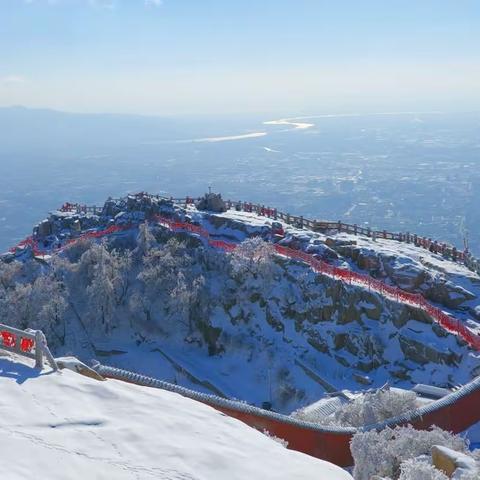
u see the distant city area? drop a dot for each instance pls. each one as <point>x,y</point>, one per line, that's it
<point>405,172</point>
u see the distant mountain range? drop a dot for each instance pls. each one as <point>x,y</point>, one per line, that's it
<point>24,128</point>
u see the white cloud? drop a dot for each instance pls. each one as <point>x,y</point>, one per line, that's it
<point>9,80</point>
<point>48,2</point>
<point>110,4</point>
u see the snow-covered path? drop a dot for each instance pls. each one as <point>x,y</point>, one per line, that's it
<point>65,426</point>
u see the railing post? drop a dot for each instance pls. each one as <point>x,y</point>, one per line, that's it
<point>38,349</point>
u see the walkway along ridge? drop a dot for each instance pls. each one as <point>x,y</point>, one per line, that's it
<point>446,321</point>
<point>435,246</point>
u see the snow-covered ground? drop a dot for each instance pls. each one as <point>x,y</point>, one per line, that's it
<point>66,426</point>
<point>409,258</point>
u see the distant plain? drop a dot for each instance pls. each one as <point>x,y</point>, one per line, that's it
<point>416,172</point>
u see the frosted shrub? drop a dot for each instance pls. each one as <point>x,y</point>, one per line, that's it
<point>468,476</point>
<point>382,453</point>
<point>375,407</point>
<point>366,409</point>
<point>420,469</point>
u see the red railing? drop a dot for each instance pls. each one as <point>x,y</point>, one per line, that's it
<point>435,246</point>
<point>262,210</point>
<point>449,323</point>
<point>39,251</point>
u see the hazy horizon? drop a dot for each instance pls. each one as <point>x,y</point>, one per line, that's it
<point>212,57</point>
<point>402,172</point>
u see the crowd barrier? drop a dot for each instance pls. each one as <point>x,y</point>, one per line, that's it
<point>40,251</point>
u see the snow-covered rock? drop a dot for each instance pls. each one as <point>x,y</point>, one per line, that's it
<point>455,465</point>
<point>75,365</point>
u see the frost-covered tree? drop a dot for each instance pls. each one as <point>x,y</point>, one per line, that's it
<point>121,264</point>
<point>169,282</point>
<point>39,304</point>
<point>253,256</point>
<point>375,407</point>
<point>183,297</point>
<point>101,298</point>
<point>140,309</point>
<point>101,287</point>
<point>18,310</point>
<point>145,240</point>
<point>74,251</point>
<point>366,409</point>
<point>48,298</point>
<point>100,280</point>
<point>9,273</point>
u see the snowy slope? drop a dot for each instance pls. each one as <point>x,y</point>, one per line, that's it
<point>65,426</point>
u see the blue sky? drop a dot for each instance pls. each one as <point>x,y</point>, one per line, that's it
<point>228,56</point>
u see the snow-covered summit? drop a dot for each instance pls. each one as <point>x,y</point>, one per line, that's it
<point>167,304</point>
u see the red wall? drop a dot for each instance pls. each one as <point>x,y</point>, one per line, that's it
<point>335,447</point>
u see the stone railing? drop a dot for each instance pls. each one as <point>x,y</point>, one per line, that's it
<point>27,343</point>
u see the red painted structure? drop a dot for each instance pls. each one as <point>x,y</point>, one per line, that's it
<point>455,412</point>
<point>333,445</point>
